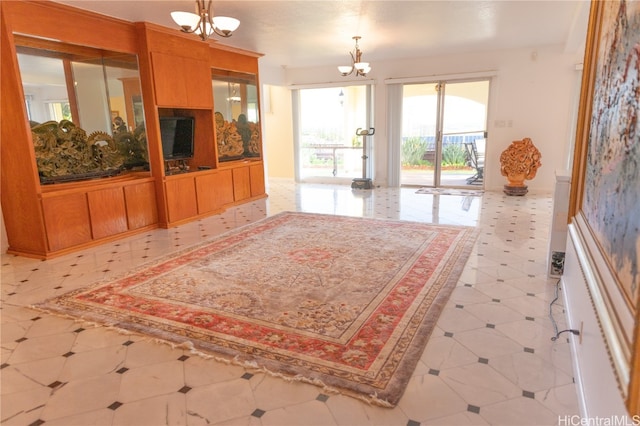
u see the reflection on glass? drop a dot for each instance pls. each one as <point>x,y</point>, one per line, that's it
<point>235,99</point>
<point>44,88</point>
<point>84,108</point>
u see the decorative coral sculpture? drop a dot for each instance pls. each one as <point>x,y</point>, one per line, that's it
<point>519,162</point>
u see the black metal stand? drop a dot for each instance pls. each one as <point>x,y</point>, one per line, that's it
<point>364,182</point>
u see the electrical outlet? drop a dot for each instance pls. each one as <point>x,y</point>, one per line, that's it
<point>557,263</point>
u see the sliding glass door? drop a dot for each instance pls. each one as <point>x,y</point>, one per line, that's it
<point>328,149</point>
<point>444,133</point>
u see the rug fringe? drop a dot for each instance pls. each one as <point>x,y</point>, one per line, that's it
<point>83,321</point>
<point>189,346</point>
<point>254,367</point>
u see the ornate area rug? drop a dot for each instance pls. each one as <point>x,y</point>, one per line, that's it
<point>450,191</point>
<point>341,302</point>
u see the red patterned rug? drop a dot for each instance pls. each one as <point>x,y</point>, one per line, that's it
<point>345,303</point>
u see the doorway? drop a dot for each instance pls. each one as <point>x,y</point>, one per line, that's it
<point>326,120</point>
<point>444,134</point>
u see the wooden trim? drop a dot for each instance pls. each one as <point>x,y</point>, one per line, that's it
<point>19,182</point>
<point>93,243</point>
<point>44,18</point>
<point>232,60</point>
<point>633,400</point>
<point>583,125</point>
<point>71,93</point>
<point>244,52</point>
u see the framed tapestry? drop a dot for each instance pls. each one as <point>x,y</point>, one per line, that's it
<point>605,193</point>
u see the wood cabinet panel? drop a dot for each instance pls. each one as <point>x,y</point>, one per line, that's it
<point>241,183</point>
<point>181,82</point>
<point>197,83</point>
<point>107,211</point>
<point>168,79</point>
<point>224,187</point>
<point>214,191</point>
<point>67,220</point>
<point>181,198</point>
<point>141,205</point>
<point>225,58</point>
<point>256,173</point>
<point>206,192</point>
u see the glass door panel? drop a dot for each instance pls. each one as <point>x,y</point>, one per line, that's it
<point>464,122</point>
<point>418,153</point>
<point>327,145</point>
<point>444,133</point>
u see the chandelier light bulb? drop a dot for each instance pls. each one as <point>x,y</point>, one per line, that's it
<point>185,20</point>
<point>225,24</point>
<point>345,70</point>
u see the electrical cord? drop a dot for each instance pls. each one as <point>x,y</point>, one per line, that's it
<point>553,321</point>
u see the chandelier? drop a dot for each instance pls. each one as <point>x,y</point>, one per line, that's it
<point>203,24</point>
<point>360,68</point>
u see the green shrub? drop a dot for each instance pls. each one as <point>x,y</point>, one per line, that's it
<point>454,154</point>
<point>412,151</point>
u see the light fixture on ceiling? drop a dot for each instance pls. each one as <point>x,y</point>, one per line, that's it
<point>360,68</point>
<point>203,24</point>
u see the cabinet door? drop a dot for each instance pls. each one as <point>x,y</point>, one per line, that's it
<point>181,82</point>
<point>168,79</point>
<point>67,220</point>
<point>198,83</point>
<point>241,183</point>
<point>141,205</point>
<point>256,173</point>
<point>214,191</point>
<point>224,187</point>
<point>107,211</point>
<point>181,198</point>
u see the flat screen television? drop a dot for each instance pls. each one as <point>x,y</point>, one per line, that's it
<point>176,134</point>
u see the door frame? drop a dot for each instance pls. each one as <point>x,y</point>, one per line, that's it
<point>370,114</point>
<point>394,117</point>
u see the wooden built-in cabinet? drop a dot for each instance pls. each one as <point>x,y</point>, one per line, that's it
<point>80,213</point>
<point>175,79</point>
<point>181,69</point>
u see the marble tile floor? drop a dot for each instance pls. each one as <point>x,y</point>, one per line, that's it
<point>490,360</point>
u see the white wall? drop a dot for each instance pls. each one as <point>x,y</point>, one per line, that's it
<point>534,89</point>
<point>278,131</point>
<point>598,392</point>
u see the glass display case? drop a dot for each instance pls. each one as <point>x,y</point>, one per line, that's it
<point>84,110</point>
<point>237,115</point>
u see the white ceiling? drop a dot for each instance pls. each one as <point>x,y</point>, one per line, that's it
<point>311,33</point>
